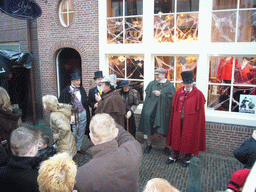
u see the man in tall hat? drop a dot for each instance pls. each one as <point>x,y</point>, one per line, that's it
<point>155,115</point>
<point>75,94</point>
<point>187,123</point>
<point>98,76</point>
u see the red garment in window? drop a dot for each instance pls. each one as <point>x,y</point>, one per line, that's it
<point>225,68</point>
<point>245,74</point>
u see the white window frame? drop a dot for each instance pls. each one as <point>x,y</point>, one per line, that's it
<point>61,14</point>
<point>204,48</point>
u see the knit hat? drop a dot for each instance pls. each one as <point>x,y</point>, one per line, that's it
<point>238,179</point>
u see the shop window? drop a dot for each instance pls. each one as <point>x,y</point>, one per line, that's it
<point>234,21</point>
<point>176,21</point>
<point>66,12</point>
<point>124,21</point>
<point>174,65</point>
<point>232,84</point>
<point>128,68</point>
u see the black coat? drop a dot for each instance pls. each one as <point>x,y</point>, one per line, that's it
<point>20,174</point>
<point>246,153</point>
<point>65,97</point>
<point>92,99</point>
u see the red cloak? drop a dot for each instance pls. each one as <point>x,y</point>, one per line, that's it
<point>192,137</point>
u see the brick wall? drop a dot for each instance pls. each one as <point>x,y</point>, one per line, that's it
<point>81,35</point>
<point>221,139</point>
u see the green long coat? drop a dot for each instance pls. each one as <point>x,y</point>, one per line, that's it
<point>156,111</point>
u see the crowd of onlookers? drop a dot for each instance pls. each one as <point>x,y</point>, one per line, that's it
<point>30,162</point>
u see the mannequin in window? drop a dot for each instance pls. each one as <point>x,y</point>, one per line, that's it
<point>224,73</point>
<point>245,72</point>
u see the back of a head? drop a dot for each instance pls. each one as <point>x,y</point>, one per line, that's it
<point>50,102</point>
<point>23,140</point>
<point>103,127</point>
<point>159,185</point>
<point>57,174</point>
<point>4,100</point>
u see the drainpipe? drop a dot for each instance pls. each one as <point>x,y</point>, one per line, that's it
<point>31,75</point>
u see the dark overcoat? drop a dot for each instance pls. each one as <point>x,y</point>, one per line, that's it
<point>112,104</point>
<point>191,139</point>
<point>156,111</point>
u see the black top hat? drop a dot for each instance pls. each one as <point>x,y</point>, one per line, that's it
<point>187,77</point>
<point>76,74</point>
<point>97,74</point>
<point>124,83</point>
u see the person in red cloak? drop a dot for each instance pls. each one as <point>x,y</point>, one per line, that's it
<point>187,123</point>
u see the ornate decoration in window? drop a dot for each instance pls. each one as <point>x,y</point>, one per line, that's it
<point>128,67</point>
<point>124,21</point>
<point>176,21</point>
<point>232,84</point>
<point>234,21</point>
<point>66,12</point>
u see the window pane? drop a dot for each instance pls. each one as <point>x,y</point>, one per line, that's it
<point>187,5</point>
<point>133,7</point>
<point>164,28</point>
<point>64,17</point>
<point>218,97</point>
<point>117,66</point>
<point>244,100</point>
<point>114,8</point>
<point>133,30</point>
<point>164,6</point>
<point>135,67</point>
<point>247,26</point>
<point>187,27</point>
<point>70,6</point>
<point>115,31</point>
<point>223,26</point>
<point>224,4</point>
<point>64,6</point>
<point>166,62</point>
<point>247,3</point>
<point>221,69</point>
<point>245,71</point>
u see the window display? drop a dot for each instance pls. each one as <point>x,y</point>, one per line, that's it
<point>176,26</point>
<point>128,68</point>
<point>230,77</point>
<point>124,21</point>
<point>233,24</point>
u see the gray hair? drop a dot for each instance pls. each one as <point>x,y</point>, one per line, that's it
<point>103,127</point>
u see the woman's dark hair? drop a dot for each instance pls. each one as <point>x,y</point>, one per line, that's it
<point>111,86</point>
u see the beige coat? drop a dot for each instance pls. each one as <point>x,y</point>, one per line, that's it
<point>61,130</point>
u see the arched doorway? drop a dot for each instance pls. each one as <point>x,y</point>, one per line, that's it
<point>67,60</point>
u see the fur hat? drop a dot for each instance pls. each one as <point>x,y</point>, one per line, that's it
<point>111,79</point>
